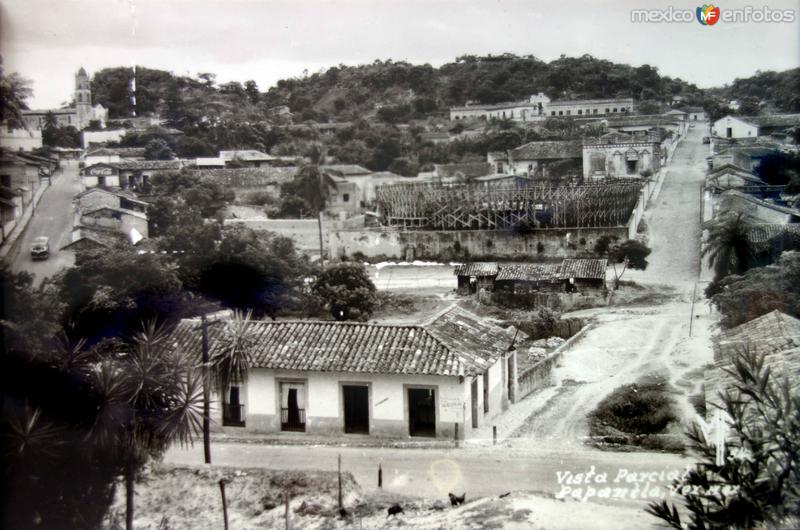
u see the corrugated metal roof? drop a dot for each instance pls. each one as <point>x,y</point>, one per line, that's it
<point>584,268</point>
<point>453,343</point>
<point>477,269</point>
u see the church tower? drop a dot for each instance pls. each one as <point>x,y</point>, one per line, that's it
<point>83,99</point>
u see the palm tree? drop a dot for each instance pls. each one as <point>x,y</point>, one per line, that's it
<point>151,397</point>
<point>727,247</point>
<point>233,352</point>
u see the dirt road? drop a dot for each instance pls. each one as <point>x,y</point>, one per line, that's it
<point>628,343</point>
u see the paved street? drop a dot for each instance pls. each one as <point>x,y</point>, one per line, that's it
<point>52,218</point>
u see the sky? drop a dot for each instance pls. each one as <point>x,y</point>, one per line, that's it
<point>47,41</point>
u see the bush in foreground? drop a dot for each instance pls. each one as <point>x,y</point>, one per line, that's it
<point>641,408</point>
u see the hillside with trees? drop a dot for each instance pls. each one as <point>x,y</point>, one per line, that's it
<point>764,91</point>
<point>347,93</point>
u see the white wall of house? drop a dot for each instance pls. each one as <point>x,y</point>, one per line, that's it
<point>733,127</point>
<point>20,139</point>
<point>101,137</point>
<point>388,400</point>
<point>90,160</point>
<point>91,181</point>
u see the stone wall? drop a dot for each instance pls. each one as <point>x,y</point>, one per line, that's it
<point>470,244</point>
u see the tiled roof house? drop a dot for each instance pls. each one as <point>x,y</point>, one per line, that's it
<point>369,378</point>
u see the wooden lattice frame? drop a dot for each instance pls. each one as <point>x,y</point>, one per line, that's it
<point>436,207</point>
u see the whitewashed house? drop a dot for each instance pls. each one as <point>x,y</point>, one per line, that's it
<point>442,378</point>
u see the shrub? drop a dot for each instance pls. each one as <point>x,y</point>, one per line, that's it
<point>638,408</point>
<point>259,198</point>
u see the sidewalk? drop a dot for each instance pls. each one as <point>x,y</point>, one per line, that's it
<point>342,440</point>
<point>11,240</point>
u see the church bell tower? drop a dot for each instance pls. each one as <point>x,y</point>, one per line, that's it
<point>83,99</point>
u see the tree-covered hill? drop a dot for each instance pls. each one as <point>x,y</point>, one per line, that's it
<point>778,91</point>
<point>406,91</point>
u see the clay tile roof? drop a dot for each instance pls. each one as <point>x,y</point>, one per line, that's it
<point>477,269</point>
<point>530,272</point>
<point>548,150</point>
<point>121,151</point>
<point>584,268</point>
<point>452,343</point>
<point>767,334</point>
<point>148,164</point>
<point>762,235</point>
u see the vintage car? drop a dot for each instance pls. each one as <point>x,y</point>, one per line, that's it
<point>40,249</point>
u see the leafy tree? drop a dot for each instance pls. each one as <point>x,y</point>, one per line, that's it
<point>110,292</point>
<point>757,481</point>
<point>28,316</point>
<point>160,395</point>
<point>307,185</point>
<point>251,89</point>
<point>759,291</point>
<point>346,291</point>
<point>261,272</point>
<point>294,207</point>
<point>158,150</point>
<point>749,106</point>
<point>66,136</point>
<point>14,90</point>
<point>631,253</point>
<point>192,147</point>
<point>779,169</point>
<point>727,246</point>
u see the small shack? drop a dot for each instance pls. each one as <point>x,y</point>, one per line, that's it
<point>530,277</point>
<point>472,277</point>
<point>587,273</point>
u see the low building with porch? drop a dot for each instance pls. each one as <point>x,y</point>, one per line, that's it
<point>527,278</point>
<point>472,277</point>
<point>442,378</point>
<point>584,273</point>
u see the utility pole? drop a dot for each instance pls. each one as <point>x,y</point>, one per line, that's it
<point>321,207</point>
<point>206,392</point>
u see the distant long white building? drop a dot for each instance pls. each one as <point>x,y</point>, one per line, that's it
<point>539,106</point>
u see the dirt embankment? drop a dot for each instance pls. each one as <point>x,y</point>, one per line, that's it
<point>171,497</point>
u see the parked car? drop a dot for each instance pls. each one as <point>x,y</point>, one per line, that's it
<point>40,248</point>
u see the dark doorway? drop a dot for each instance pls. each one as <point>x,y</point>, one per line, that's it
<point>486,391</point>
<point>356,409</point>
<point>631,166</point>
<point>233,413</point>
<point>729,132</point>
<point>474,395</point>
<point>293,415</point>
<point>422,412</point>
